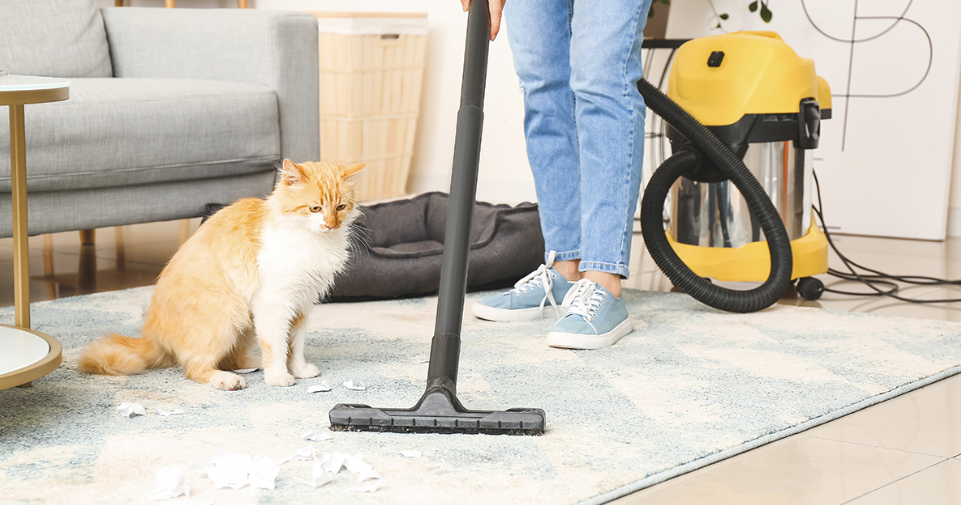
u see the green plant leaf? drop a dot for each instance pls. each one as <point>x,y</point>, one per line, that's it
<point>650,12</point>
<point>766,13</point>
<point>718,26</point>
<point>753,6</point>
<point>666,2</point>
<point>724,16</point>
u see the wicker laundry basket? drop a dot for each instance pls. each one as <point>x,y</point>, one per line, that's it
<point>371,74</point>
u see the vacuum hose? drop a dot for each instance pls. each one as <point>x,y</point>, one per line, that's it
<point>683,162</point>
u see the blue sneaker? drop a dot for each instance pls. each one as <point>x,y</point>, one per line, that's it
<point>526,301</point>
<point>595,319</point>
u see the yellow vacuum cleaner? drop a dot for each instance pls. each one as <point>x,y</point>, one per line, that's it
<point>743,113</point>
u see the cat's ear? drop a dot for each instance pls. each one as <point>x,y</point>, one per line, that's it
<point>346,172</point>
<point>290,173</point>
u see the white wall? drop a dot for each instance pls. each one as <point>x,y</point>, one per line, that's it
<point>505,175</point>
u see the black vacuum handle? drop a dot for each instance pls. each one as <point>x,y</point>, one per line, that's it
<point>474,80</point>
<point>445,345</point>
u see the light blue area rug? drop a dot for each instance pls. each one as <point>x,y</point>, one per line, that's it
<point>690,386</point>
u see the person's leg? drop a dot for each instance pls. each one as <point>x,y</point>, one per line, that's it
<point>540,38</point>
<point>609,113</point>
<point>606,65</point>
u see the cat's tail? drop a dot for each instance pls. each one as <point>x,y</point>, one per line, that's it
<point>119,355</point>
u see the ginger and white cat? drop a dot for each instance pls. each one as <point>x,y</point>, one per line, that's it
<point>252,271</point>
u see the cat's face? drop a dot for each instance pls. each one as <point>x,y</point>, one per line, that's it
<point>319,195</point>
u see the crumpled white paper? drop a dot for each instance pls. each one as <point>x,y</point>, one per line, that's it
<point>305,453</point>
<point>263,473</point>
<point>245,370</point>
<point>173,412</point>
<point>128,409</point>
<point>235,471</point>
<point>355,387</point>
<point>170,484</point>
<point>319,476</point>
<point>410,454</point>
<point>316,437</point>
<point>323,387</point>
<point>335,461</point>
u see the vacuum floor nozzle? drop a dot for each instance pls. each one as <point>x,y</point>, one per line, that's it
<point>438,411</point>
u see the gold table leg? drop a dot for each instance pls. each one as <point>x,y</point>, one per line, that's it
<point>18,179</point>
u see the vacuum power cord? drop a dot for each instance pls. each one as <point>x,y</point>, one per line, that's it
<point>875,278</point>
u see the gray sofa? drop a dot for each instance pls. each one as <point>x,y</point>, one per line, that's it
<point>169,109</point>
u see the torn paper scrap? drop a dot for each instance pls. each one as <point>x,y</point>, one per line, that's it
<point>173,412</point>
<point>332,462</point>
<point>319,477</point>
<point>424,361</point>
<point>229,469</point>
<point>410,454</point>
<point>355,387</point>
<point>305,453</point>
<point>356,464</point>
<point>314,437</point>
<point>367,474</point>
<point>128,409</point>
<point>263,473</point>
<point>170,484</point>
<point>367,489</point>
<point>245,370</point>
<point>323,387</point>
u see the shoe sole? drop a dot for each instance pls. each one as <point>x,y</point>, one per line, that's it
<point>495,314</point>
<point>579,341</point>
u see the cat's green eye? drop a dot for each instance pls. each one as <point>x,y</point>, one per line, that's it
<point>315,208</point>
<point>342,206</point>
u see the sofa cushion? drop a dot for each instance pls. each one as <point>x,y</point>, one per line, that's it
<point>53,38</point>
<point>120,132</point>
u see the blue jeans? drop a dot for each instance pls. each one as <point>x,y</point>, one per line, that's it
<point>579,62</point>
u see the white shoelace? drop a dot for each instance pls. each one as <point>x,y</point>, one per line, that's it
<point>542,277</point>
<point>585,299</point>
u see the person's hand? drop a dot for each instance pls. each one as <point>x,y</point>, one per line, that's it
<point>496,8</point>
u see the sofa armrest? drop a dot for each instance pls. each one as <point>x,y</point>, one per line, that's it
<point>273,48</point>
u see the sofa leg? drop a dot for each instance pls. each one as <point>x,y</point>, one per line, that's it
<point>88,237</point>
<point>184,230</point>
<point>170,3</point>
<point>119,247</point>
<point>241,4</point>
<point>118,3</point>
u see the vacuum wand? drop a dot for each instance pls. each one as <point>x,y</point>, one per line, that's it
<point>439,410</point>
<point>445,346</point>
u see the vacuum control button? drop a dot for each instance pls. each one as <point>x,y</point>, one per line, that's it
<point>716,58</point>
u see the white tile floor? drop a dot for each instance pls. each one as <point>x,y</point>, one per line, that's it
<point>903,451</point>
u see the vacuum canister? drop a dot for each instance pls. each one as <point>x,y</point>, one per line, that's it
<point>764,102</point>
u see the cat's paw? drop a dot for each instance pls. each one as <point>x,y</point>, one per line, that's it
<point>305,371</point>
<point>227,381</point>
<point>279,379</point>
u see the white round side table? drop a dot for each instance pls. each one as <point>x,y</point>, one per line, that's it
<point>20,346</point>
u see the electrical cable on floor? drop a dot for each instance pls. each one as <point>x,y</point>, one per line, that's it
<point>876,278</point>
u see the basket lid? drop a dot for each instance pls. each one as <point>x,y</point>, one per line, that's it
<point>372,23</point>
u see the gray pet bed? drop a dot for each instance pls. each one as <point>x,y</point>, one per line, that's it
<point>405,247</point>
